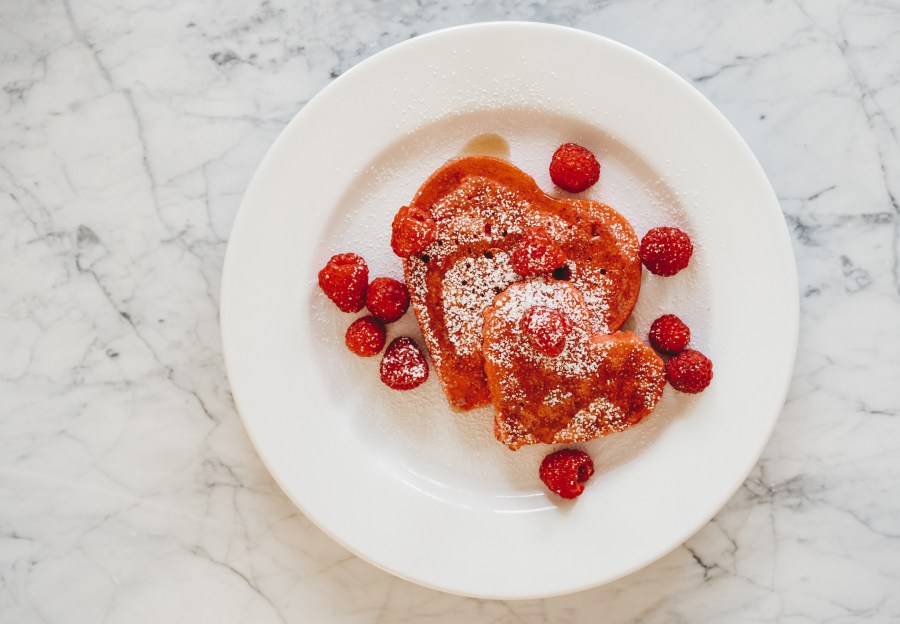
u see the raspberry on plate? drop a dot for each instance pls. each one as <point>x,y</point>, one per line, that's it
<point>365,337</point>
<point>690,371</point>
<point>666,250</point>
<point>574,168</point>
<point>387,299</point>
<point>565,472</point>
<point>403,366</point>
<point>344,281</point>
<point>411,232</point>
<point>536,253</point>
<point>546,329</point>
<point>669,334</point>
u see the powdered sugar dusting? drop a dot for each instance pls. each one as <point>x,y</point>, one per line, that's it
<point>584,425</point>
<point>468,288</point>
<point>543,292</point>
<point>557,396</point>
<point>597,299</point>
<point>487,202</point>
<point>514,430</point>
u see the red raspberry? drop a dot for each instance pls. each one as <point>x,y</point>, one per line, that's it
<point>344,281</point>
<point>403,366</point>
<point>690,371</point>
<point>669,334</point>
<point>411,232</point>
<point>574,168</point>
<point>387,299</point>
<point>546,329</point>
<point>536,253</point>
<point>365,336</point>
<point>565,472</point>
<point>666,250</point>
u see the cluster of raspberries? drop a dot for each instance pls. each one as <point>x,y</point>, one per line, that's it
<point>345,280</point>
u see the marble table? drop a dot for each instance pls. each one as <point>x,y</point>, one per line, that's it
<point>129,491</point>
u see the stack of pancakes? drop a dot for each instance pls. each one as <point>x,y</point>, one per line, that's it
<point>468,301</point>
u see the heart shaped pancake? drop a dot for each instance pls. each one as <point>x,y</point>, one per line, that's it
<point>480,206</point>
<point>597,385</point>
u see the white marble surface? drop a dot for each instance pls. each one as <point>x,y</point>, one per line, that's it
<point>128,489</point>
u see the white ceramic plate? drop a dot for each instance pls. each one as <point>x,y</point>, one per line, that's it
<point>398,478</point>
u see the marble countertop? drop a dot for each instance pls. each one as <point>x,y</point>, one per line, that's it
<point>129,491</point>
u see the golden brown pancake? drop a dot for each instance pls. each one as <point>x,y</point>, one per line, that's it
<point>480,206</point>
<point>599,384</point>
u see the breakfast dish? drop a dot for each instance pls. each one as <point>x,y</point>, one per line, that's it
<point>520,297</point>
<point>396,476</point>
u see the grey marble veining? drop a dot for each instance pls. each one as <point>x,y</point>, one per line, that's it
<point>128,489</point>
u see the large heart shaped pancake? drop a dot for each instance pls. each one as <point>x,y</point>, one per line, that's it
<point>480,206</point>
<point>598,384</point>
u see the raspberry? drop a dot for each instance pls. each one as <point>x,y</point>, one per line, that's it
<point>411,232</point>
<point>574,168</point>
<point>387,299</point>
<point>403,366</point>
<point>669,334</point>
<point>536,253</point>
<point>546,329</point>
<point>690,371</point>
<point>564,472</point>
<point>365,336</point>
<point>344,281</point>
<point>666,250</point>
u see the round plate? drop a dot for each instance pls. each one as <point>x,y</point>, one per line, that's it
<point>397,477</point>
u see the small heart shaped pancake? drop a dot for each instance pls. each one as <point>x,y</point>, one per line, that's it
<point>599,383</point>
<point>480,206</point>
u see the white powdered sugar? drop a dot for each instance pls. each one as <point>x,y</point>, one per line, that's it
<point>541,292</point>
<point>469,287</point>
<point>557,396</point>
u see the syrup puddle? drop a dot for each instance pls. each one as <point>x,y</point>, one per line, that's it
<point>488,144</point>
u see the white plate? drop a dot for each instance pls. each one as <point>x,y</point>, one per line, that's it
<point>398,478</point>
